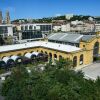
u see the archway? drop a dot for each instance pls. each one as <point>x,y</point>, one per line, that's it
<point>60,57</point>
<point>26,27</point>
<point>50,55</point>
<point>95,51</point>
<point>25,53</point>
<point>46,52</point>
<point>81,59</point>
<point>55,56</point>
<point>19,54</point>
<point>75,61</point>
<point>41,51</point>
<point>30,27</point>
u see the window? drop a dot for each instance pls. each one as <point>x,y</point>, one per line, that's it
<point>81,59</point>
<point>55,56</point>
<point>22,28</point>
<point>60,57</point>
<point>84,46</point>
<point>25,53</point>
<point>41,51</point>
<point>96,49</point>
<point>19,54</point>
<point>26,27</point>
<point>31,51</point>
<point>50,55</point>
<point>45,52</point>
<point>75,61</point>
<point>30,27</point>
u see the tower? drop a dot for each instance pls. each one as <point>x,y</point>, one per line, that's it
<point>0,17</point>
<point>7,20</point>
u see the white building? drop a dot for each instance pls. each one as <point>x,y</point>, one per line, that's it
<point>69,16</point>
<point>65,28</point>
<point>43,27</point>
<point>76,22</point>
<point>97,27</point>
<point>57,28</point>
<point>6,29</point>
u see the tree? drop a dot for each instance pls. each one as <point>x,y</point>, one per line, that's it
<point>56,82</point>
<point>1,40</point>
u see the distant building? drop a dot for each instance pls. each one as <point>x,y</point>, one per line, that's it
<point>69,16</point>
<point>30,35</point>
<point>75,27</point>
<point>97,27</point>
<point>65,28</point>
<point>57,28</point>
<point>7,19</point>
<point>43,27</point>
<point>6,30</point>
<point>76,22</point>
<point>1,18</point>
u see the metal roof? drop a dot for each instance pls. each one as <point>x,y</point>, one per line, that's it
<point>69,37</point>
<point>87,37</point>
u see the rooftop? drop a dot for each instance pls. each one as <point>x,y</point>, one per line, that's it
<point>36,24</point>
<point>50,45</point>
<point>8,25</point>
<point>69,37</point>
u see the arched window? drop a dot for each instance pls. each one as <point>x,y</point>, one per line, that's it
<point>22,28</point>
<point>81,59</point>
<point>26,27</point>
<point>96,49</point>
<point>24,53</point>
<point>55,56</point>
<point>30,27</point>
<point>41,51</point>
<point>10,55</point>
<point>19,54</point>
<point>31,51</point>
<point>46,52</point>
<point>50,55</point>
<point>75,61</point>
<point>3,57</point>
<point>60,57</point>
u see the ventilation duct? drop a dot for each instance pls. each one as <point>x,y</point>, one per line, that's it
<point>17,59</point>
<point>9,62</point>
<point>2,64</point>
<point>30,55</point>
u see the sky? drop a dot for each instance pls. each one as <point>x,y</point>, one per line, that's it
<point>48,8</point>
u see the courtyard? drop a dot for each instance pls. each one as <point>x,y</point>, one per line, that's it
<point>92,71</point>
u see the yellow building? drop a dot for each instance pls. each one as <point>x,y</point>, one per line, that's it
<point>81,53</point>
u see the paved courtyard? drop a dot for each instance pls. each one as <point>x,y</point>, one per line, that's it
<point>92,71</point>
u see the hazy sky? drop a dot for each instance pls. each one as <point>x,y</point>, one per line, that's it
<point>46,8</point>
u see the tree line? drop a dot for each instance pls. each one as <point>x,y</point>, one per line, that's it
<point>50,19</point>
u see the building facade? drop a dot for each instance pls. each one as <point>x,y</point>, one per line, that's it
<point>97,27</point>
<point>43,27</point>
<point>6,30</point>
<point>84,54</point>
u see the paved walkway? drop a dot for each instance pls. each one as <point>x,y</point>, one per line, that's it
<point>92,71</point>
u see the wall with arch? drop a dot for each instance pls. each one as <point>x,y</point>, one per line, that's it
<point>89,47</point>
<point>55,54</point>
